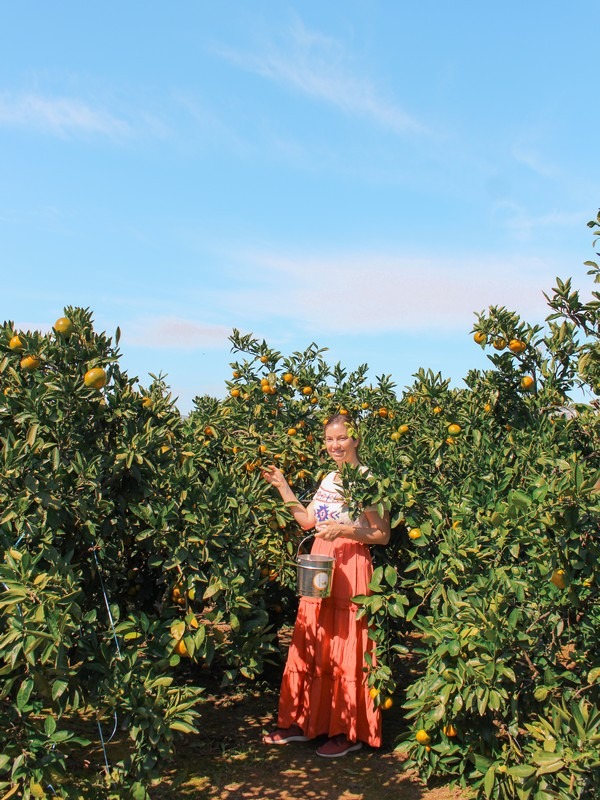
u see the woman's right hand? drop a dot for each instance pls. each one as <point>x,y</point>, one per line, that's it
<point>274,476</point>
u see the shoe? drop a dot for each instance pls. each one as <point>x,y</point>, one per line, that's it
<point>285,735</point>
<point>338,746</point>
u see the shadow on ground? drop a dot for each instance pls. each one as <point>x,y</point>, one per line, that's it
<point>228,761</point>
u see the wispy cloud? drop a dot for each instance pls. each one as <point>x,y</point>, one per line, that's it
<point>524,225</point>
<point>318,66</point>
<point>174,332</point>
<point>376,293</point>
<point>60,116</point>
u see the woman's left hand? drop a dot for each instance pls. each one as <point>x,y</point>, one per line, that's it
<point>330,530</point>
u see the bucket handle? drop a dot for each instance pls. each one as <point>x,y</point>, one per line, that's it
<point>306,538</point>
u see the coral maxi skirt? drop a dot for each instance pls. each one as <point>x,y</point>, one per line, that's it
<point>324,688</point>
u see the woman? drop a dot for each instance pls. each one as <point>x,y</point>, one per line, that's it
<point>324,688</point>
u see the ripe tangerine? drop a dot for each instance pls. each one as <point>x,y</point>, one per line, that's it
<point>516,346</point>
<point>63,325</point>
<point>422,736</point>
<point>95,378</point>
<point>29,363</point>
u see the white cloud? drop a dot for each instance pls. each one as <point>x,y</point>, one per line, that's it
<point>58,115</point>
<point>523,225</point>
<point>378,293</point>
<point>316,66</point>
<point>174,332</point>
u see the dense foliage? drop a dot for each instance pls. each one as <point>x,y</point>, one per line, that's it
<point>143,551</point>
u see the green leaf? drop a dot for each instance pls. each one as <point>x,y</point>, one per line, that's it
<point>24,694</point>
<point>488,782</point>
<point>391,575</point>
<point>49,726</point>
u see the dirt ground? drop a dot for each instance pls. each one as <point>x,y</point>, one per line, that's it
<point>228,761</point>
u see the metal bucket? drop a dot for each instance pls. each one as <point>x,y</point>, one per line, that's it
<point>315,573</point>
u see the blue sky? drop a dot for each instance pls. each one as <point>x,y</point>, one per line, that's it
<point>364,175</point>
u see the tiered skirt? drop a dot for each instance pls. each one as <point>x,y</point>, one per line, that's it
<point>324,688</point>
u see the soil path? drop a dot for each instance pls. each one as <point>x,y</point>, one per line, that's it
<point>228,761</point>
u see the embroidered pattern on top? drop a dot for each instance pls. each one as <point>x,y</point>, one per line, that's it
<point>325,512</point>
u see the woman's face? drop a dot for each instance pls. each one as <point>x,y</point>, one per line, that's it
<point>341,447</point>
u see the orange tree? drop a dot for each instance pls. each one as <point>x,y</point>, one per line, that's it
<point>502,535</point>
<point>140,547</point>
<point>92,479</point>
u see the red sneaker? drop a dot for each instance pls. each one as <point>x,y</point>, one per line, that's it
<point>285,735</point>
<point>338,746</point>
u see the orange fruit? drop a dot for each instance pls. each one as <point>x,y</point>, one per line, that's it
<point>29,363</point>
<point>527,382</point>
<point>558,578</point>
<point>314,400</point>
<point>387,703</point>
<point>235,392</point>
<point>516,346</point>
<point>450,440</point>
<point>364,406</point>
<point>403,429</point>
<point>422,736</point>
<point>383,412</point>
<point>307,390</point>
<point>288,377</point>
<point>499,343</point>
<point>414,533</point>
<point>437,410</point>
<point>266,388</point>
<point>15,343</point>
<point>95,378</point>
<point>395,436</point>
<point>236,374</point>
<point>292,431</point>
<point>181,649</point>
<point>487,408</point>
<point>264,359</point>
<point>454,429</point>
<point>450,730</point>
<point>63,325</point>
<point>147,402</point>
<point>373,692</point>
<point>480,337</point>
<point>343,411</point>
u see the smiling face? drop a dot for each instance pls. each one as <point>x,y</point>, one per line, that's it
<point>341,447</point>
